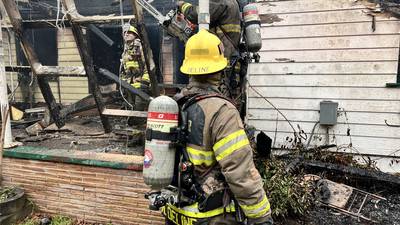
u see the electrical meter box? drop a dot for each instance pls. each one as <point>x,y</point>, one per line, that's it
<point>328,113</point>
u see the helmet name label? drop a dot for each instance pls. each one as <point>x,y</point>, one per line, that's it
<point>194,70</point>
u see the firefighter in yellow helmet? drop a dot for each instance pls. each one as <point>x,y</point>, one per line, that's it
<point>225,22</point>
<point>133,66</point>
<point>230,186</point>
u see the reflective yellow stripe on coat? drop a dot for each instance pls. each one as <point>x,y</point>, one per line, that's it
<point>199,157</point>
<point>185,6</point>
<point>256,210</point>
<point>131,64</point>
<point>230,144</point>
<point>229,28</point>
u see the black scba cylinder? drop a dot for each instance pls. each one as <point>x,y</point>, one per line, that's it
<point>252,25</point>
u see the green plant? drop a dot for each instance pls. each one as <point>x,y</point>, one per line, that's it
<point>288,193</point>
<point>61,220</point>
<point>6,193</point>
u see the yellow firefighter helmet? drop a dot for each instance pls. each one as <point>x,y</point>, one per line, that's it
<point>133,30</point>
<point>203,54</point>
<point>130,28</point>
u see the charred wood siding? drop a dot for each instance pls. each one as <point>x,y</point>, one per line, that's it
<point>316,50</point>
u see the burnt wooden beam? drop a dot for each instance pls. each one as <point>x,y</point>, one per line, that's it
<point>101,35</point>
<point>16,21</point>
<point>87,103</point>
<point>18,69</point>
<point>83,45</point>
<point>125,113</point>
<point>84,48</point>
<point>53,71</point>
<point>76,17</point>
<point>60,70</point>
<point>148,54</point>
<point>54,108</point>
<point>353,171</point>
<point>101,19</point>
<point>124,84</point>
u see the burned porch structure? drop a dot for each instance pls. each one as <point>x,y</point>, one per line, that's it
<point>89,29</point>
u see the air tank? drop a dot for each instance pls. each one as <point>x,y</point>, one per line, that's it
<point>159,154</point>
<point>252,27</point>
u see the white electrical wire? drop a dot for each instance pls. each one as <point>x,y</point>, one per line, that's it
<point>121,61</point>
<point>58,13</point>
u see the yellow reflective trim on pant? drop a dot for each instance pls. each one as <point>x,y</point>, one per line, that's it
<point>230,143</point>
<point>192,211</point>
<point>185,6</point>
<point>198,157</point>
<point>256,210</point>
<point>229,28</point>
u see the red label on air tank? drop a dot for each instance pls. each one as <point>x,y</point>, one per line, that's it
<point>250,12</point>
<point>162,116</point>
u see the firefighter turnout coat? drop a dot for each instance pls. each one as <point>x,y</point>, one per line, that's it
<point>223,159</point>
<point>134,69</point>
<point>224,22</point>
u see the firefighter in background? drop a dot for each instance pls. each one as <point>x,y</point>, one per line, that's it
<point>225,22</point>
<point>134,69</point>
<point>217,144</point>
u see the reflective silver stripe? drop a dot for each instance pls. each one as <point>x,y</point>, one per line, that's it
<point>230,143</point>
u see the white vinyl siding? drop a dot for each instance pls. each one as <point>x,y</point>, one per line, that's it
<point>327,50</point>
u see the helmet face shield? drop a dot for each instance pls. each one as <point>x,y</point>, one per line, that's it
<point>203,54</point>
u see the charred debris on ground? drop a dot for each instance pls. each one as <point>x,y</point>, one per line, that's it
<point>296,183</point>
